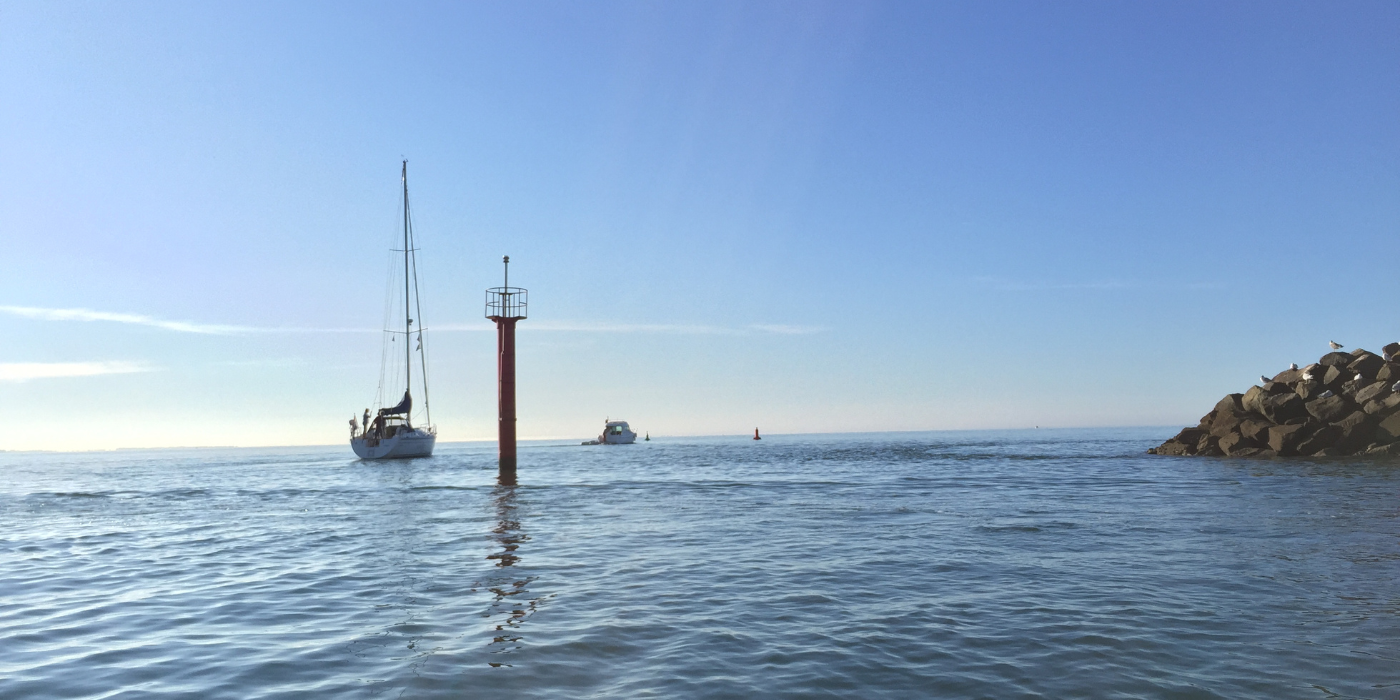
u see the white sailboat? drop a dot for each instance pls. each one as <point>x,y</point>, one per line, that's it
<point>391,434</point>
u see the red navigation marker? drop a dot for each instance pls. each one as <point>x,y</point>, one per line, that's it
<point>505,305</point>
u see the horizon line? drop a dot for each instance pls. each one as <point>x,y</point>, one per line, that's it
<point>557,439</point>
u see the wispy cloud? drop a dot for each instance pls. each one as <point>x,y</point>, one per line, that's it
<point>784,329</point>
<point>606,327</point>
<point>670,328</point>
<point>136,319</point>
<point>46,314</point>
<point>24,371</point>
<point>1006,285</point>
<point>474,327</point>
<point>1002,284</point>
<point>581,327</point>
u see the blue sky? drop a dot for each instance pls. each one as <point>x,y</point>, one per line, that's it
<point>802,216</point>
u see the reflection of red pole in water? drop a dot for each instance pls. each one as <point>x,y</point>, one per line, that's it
<point>755,434</point>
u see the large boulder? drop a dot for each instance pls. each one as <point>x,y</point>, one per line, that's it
<point>1256,428</point>
<point>1209,446</point>
<point>1226,422</point>
<point>1391,350</point>
<point>1358,430</point>
<point>1281,408</point>
<point>1309,389</point>
<point>1348,388</point>
<point>1366,365</point>
<point>1355,439</point>
<point>1288,376</point>
<point>1189,437</point>
<point>1336,358</point>
<point>1320,439</point>
<point>1330,409</point>
<point>1374,390</point>
<point>1171,448</point>
<point>1390,373</point>
<point>1391,450</point>
<point>1231,402</point>
<point>1284,439</point>
<point>1356,418</point>
<point>1233,445</point>
<point>1388,430</point>
<point>1335,375</point>
<point>1251,399</point>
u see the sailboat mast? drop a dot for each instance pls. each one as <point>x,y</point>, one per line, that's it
<point>408,319</point>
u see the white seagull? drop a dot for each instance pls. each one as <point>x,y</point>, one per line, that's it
<point>1293,365</point>
<point>1264,380</point>
<point>1307,376</point>
<point>1335,345</point>
<point>1357,377</point>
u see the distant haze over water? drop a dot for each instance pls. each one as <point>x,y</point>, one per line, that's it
<point>951,565</point>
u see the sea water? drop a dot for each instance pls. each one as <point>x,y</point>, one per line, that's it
<point>952,565</point>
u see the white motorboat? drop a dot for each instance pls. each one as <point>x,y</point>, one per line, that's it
<point>615,432</point>
<point>391,434</point>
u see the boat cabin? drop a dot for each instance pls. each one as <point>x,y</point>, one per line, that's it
<point>617,432</point>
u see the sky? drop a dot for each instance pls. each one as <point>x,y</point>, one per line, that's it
<point>797,216</point>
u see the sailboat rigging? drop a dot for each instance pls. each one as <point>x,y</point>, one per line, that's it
<point>391,434</point>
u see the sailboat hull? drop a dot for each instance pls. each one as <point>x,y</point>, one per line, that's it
<point>403,446</point>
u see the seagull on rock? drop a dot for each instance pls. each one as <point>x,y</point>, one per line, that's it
<point>1358,377</point>
<point>1293,365</point>
<point>1335,345</point>
<point>1264,380</point>
<point>1307,376</point>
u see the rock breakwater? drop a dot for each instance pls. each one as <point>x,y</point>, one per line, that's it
<point>1347,403</point>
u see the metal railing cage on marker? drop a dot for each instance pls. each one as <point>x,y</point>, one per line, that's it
<point>507,302</point>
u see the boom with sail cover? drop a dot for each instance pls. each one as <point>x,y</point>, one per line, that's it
<point>405,407</point>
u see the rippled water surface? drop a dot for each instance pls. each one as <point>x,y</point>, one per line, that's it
<point>996,565</point>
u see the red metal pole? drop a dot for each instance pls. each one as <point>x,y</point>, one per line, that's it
<point>505,346</point>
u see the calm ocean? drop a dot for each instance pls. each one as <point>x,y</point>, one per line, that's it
<point>1046,563</point>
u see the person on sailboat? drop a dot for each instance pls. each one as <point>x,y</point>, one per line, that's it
<point>353,424</point>
<point>364,422</point>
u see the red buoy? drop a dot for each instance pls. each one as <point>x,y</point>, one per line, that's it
<point>755,434</point>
